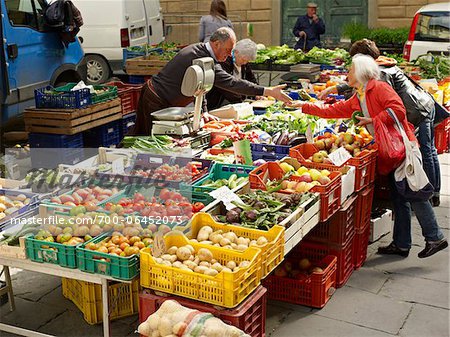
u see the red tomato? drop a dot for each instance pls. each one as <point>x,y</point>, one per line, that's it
<point>197,207</point>
<point>164,194</point>
<point>173,210</point>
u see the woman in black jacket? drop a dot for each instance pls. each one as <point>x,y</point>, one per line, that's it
<point>238,66</point>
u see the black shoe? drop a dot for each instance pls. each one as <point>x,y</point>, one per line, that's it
<point>435,201</point>
<point>392,249</point>
<point>432,248</point>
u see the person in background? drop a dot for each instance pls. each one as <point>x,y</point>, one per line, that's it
<point>308,29</point>
<point>164,89</point>
<point>419,105</point>
<point>238,66</point>
<point>373,98</point>
<point>216,19</point>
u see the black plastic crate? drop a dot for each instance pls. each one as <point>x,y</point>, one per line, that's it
<point>105,135</point>
<point>48,97</point>
<point>51,158</point>
<point>128,122</point>
<point>48,140</point>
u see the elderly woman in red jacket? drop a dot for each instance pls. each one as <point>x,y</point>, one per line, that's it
<point>373,98</point>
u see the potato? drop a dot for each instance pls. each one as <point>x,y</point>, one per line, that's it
<point>253,243</point>
<point>216,245</point>
<point>227,269</point>
<point>183,253</point>
<point>213,261</point>
<point>204,232</point>
<point>242,241</point>
<point>224,242</point>
<point>231,265</point>
<point>177,264</point>
<point>205,254</point>
<point>201,269</point>
<point>159,260</point>
<point>215,238</point>
<point>205,263</point>
<point>194,240</point>
<point>244,264</point>
<point>206,242</point>
<point>192,250</point>
<point>183,267</point>
<point>167,263</point>
<point>211,272</point>
<point>230,236</point>
<point>192,258</point>
<point>172,250</point>
<point>197,260</point>
<point>217,266</point>
<point>236,269</point>
<point>191,265</point>
<point>170,258</point>
<point>261,241</point>
<point>241,247</point>
<point>234,246</point>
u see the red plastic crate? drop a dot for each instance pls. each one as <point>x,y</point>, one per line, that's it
<point>249,316</point>
<point>313,291</point>
<point>360,243</point>
<point>340,229</point>
<point>364,208</point>
<point>442,136</point>
<point>330,194</point>
<point>129,95</point>
<point>373,166</point>
<point>316,251</point>
<point>362,163</point>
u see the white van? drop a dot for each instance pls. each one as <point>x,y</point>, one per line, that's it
<point>430,32</point>
<point>111,25</point>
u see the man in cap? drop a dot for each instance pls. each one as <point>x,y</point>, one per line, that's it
<point>308,29</point>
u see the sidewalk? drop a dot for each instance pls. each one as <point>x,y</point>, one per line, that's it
<point>388,296</point>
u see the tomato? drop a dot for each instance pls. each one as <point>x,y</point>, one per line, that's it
<point>176,196</point>
<point>138,197</point>
<point>173,210</point>
<point>164,194</point>
<point>197,207</point>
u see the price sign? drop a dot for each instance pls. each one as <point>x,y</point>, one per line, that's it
<point>227,196</point>
<point>339,157</point>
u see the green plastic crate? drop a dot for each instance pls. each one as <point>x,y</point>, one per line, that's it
<point>218,171</point>
<point>109,94</point>
<point>123,268</point>
<point>51,252</point>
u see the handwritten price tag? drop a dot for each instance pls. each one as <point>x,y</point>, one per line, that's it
<point>339,157</point>
<point>225,195</point>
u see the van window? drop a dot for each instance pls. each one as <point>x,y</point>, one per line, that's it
<point>433,26</point>
<point>27,13</point>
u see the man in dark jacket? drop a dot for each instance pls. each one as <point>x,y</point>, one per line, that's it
<point>164,89</point>
<point>308,29</point>
<point>236,65</point>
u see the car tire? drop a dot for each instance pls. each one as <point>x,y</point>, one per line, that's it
<point>98,70</point>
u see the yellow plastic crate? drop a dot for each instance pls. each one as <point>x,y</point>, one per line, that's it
<point>272,253</point>
<point>226,289</point>
<point>123,299</point>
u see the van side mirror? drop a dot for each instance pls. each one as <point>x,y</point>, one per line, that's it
<point>13,51</point>
<point>81,39</point>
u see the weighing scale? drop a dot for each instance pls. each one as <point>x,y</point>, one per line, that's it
<point>183,122</point>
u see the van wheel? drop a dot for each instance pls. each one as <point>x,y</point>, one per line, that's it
<point>97,69</point>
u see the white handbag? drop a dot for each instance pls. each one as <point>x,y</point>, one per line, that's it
<point>410,178</point>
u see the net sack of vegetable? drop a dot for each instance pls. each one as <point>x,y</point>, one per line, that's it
<point>172,319</point>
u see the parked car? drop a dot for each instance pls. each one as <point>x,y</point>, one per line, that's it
<point>430,32</point>
<point>32,57</point>
<point>111,25</point>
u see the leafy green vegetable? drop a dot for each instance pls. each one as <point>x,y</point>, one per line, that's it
<point>433,66</point>
<point>280,55</point>
<point>337,56</point>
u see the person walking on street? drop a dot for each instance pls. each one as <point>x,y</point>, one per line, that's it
<point>216,19</point>
<point>374,98</point>
<point>308,29</point>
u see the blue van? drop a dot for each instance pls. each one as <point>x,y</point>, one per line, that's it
<point>32,57</point>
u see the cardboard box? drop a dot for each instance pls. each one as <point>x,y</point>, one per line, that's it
<point>381,226</point>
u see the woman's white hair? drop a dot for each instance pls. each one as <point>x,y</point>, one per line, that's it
<point>365,68</point>
<point>246,48</point>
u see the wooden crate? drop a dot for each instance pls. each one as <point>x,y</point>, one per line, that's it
<point>144,65</point>
<point>72,121</point>
<point>16,252</point>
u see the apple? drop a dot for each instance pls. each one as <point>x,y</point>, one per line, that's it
<point>323,180</point>
<point>302,170</point>
<point>317,157</point>
<point>315,174</point>
<point>320,144</point>
<point>325,173</point>
<point>291,185</point>
<point>304,264</point>
<point>301,187</point>
<point>306,177</point>
<point>284,184</point>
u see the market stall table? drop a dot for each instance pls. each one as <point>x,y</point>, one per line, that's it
<point>54,270</point>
